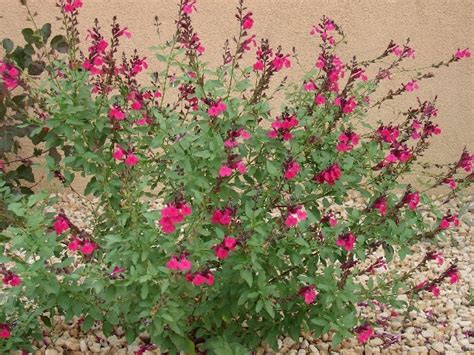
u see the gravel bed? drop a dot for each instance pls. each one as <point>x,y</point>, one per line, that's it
<point>442,325</point>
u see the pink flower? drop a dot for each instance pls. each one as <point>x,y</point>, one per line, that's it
<point>5,332</point>
<point>329,218</point>
<point>281,62</point>
<point>448,221</point>
<point>61,224</point>
<point>74,244</point>
<point>346,241</point>
<point>411,86</point>
<point>308,293</point>
<point>10,75</point>
<point>72,5</point>
<point>116,113</point>
<point>381,205</point>
<point>222,217</point>
<point>235,136</point>
<point>199,279</point>
<point>464,53</point>
<point>466,161</point>
<point>181,264</point>
<point>11,279</point>
<point>119,153</point>
<point>434,290</point>
<point>225,171</point>
<point>291,170</point>
<point>347,105</point>
<point>241,167</point>
<point>258,66</point>
<point>330,175</point>
<point>296,214</point>
<point>230,242</point>
<point>451,182</point>
<point>247,21</point>
<point>189,6</point>
<point>131,159</point>
<point>319,100</point>
<point>453,276</point>
<point>347,141</point>
<point>404,52</point>
<point>364,333</point>
<point>412,199</point>
<point>136,105</point>
<point>172,215</point>
<point>221,252</point>
<point>216,109</point>
<point>281,127</point>
<point>88,247</point>
<point>388,134</point>
<point>438,257</point>
<point>309,86</point>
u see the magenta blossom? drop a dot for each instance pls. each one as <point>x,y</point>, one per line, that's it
<point>119,153</point>
<point>388,134</point>
<point>222,217</point>
<point>412,200</point>
<point>346,241</point>
<point>411,86</point>
<point>189,6</point>
<point>462,53</point>
<point>308,293</point>
<point>173,214</point>
<point>116,113</point>
<point>131,159</point>
<point>292,169</point>
<point>5,331</point>
<point>11,279</point>
<point>72,5</point>
<point>216,109</point>
<point>449,221</point>
<point>450,182</point>
<point>319,99</point>
<point>10,76</point>
<point>329,175</point>
<point>295,215</point>
<point>247,21</point>
<point>201,278</point>
<point>61,224</point>
<point>347,141</point>
<point>227,245</point>
<point>281,127</point>
<point>235,137</point>
<point>364,333</point>
<point>381,205</point>
<point>181,263</point>
<point>466,161</point>
<point>330,219</point>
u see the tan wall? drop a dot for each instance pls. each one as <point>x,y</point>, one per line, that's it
<point>436,28</point>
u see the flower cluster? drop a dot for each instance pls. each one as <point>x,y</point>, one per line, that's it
<point>201,278</point>
<point>173,214</point>
<point>291,169</point>
<point>84,245</point>
<point>72,5</point>
<point>329,175</point>
<point>61,224</point>
<point>11,279</point>
<point>222,249</point>
<point>296,214</point>
<point>222,216</point>
<point>308,293</point>
<point>10,75</point>
<point>129,158</point>
<point>282,126</point>
<point>180,263</point>
<point>347,141</point>
<point>346,241</point>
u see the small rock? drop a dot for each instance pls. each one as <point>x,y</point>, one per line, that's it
<point>73,345</point>
<point>438,346</point>
<point>51,352</point>
<point>313,350</point>
<point>288,342</point>
<point>83,345</point>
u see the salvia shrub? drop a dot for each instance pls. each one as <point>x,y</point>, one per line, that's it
<point>256,235</point>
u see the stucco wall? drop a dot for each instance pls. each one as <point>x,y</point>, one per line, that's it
<point>436,28</point>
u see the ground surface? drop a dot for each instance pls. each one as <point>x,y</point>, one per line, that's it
<point>443,325</point>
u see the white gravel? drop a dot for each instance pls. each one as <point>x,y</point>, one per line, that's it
<point>443,325</point>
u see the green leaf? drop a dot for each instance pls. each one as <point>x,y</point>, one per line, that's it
<point>272,169</point>
<point>247,276</point>
<point>7,45</point>
<point>59,43</point>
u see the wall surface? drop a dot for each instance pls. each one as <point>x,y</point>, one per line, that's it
<point>436,29</point>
